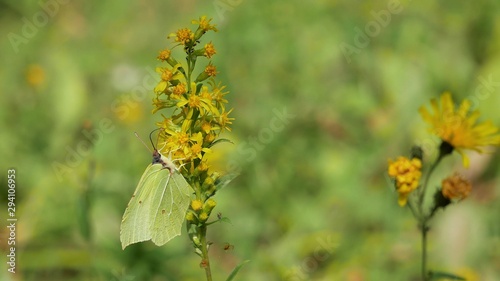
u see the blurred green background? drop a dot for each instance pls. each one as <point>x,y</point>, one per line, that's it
<point>313,201</point>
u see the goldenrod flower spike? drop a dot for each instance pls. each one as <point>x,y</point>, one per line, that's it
<point>197,106</point>
<point>458,127</point>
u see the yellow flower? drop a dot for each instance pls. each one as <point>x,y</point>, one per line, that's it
<point>204,24</point>
<point>407,174</point>
<point>164,55</point>
<point>183,36</point>
<point>197,146</point>
<point>211,70</point>
<point>209,50</point>
<point>209,138</point>
<point>457,126</point>
<point>225,120</point>
<point>197,102</point>
<point>167,75</point>
<point>204,93</point>
<point>175,142</point>
<point>207,127</point>
<point>160,104</point>
<point>456,187</point>
<point>167,125</point>
<point>178,90</point>
<point>218,94</point>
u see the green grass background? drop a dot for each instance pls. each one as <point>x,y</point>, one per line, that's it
<point>313,201</point>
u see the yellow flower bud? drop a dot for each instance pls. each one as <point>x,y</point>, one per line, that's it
<point>203,217</point>
<point>207,183</point>
<point>191,217</point>
<point>209,206</point>
<point>196,205</point>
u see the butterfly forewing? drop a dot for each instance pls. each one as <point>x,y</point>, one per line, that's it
<point>136,222</point>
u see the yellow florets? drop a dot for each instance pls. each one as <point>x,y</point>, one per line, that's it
<point>457,126</point>
<point>209,50</point>
<point>407,174</point>
<point>164,55</point>
<point>184,36</point>
<point>211,70</point>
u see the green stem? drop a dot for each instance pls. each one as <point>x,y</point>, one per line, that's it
<point>413,211</point>
<point>204,252</point>
<point>423,220</point>
<point>426,183</point>
<point>424,230</point>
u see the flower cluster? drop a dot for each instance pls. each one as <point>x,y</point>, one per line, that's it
<point>407,174</point>
<point>457,126</point>
<point>459,129</point>
<point>197,115</point>
<point>199,112</point>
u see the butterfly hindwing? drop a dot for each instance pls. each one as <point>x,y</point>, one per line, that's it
<point>157,208</point>
<point>170,205</point>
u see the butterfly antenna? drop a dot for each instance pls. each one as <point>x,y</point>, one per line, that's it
<point>137,135</point>
<point>151,137</point>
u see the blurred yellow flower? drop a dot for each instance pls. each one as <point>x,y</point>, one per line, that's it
<point>35,75</point>
<point>456,187</point>
<point>164,55</point>
<point>457,126</point>
<point>407,174</point>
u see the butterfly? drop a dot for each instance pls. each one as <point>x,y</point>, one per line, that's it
<point>159,204</point>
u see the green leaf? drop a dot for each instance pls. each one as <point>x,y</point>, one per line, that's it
<point>158,207</point>
<point>225,180</point>
<point>236,269</point>
<point>436,275</point>
<point>219,141</point>
<point>225,219</point>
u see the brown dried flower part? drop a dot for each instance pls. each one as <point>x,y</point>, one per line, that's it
<point>456,187</point>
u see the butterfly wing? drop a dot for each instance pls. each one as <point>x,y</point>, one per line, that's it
<point>136,222</point>
<point>170,203</point>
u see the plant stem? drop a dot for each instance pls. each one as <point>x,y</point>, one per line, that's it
<point>204,252</point>
<point>424,230</point>
<point>426,183</point>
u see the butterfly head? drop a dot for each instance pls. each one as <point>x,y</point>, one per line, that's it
<point>157,157</point>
